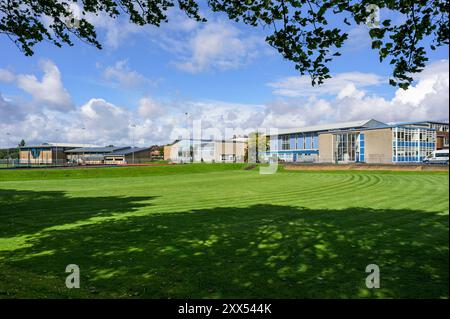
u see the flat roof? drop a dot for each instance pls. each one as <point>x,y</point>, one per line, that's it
<point>377,128</point>
<point>208,141</point>
<point>420,122</point>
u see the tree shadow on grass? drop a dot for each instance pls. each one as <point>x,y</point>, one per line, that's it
<point>26,212</point>
<point>261,251</point>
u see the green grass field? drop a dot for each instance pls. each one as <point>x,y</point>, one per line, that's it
<point>219,231</point>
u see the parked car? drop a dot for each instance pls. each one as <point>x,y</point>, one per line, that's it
<point>437,157</point>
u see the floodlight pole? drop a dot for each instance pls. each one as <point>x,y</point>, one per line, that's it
<point>84,140</point>
<point>132,142</point>
<point>56,151</point>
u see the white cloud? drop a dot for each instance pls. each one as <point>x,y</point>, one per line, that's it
<point>434,79</point>
<point>116,31</point>
<point>149,108</point>
<point>122,75</point>
<point>6,76</point>
<point>300,86</point>
<point>217,45</point>
<point>427,100</point>
<point>95,108</point>
<point>350,90</point>
<point>196,46</point>
<point>99,122</point>
<point>179,21</point>
<point>49,90</point>
<point>160,121</point>
<point>10,111</point>
<point>358,39</point>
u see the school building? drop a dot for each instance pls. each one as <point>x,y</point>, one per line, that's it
<point>365,141</point>
<point>83,154</point>
<point>209,151</point>
<point>47,153</point>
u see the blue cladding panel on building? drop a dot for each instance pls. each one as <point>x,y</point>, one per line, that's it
<point>361,147</point>
<point>308,141</point>
<point>316,141</point>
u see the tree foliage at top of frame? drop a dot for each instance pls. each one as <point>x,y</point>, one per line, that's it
<point>301,29</point>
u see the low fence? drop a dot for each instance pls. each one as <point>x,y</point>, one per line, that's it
<point>16,163</point>
<point>8,163</point>
<point>364,166</point>
<point>357,159</point>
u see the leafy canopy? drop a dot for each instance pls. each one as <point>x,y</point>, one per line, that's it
<point>300,29</point>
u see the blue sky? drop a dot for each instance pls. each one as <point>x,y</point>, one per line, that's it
<point>221,72</point>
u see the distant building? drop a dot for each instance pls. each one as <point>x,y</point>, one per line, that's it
<point>47,153</point>
<point>167,150</point>
<point>85,154</point>
<point>131,155</point>
<point>111,155</point>
<point>209,151</point>
<point>91,155</point>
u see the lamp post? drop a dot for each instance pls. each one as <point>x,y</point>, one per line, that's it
<point>191,151</point>
<point>56,151</point>
<point>132,142</point>
<point>84,140</point>
<point>7,149</point>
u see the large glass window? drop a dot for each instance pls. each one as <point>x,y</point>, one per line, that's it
<point>285,142</point>
<point>412,144</point>
<point>346,148</point>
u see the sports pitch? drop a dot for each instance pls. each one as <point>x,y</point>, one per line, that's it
<point>219,231</point>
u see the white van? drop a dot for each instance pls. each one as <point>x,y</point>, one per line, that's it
<point>437,157</point>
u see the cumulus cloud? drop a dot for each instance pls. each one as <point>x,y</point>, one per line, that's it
<point>217,45</point>
<point>161,121</point>
<point>103,122</point>
<point>150,108</point>
<point>21,119</point>
<point>49,90</point>
<point>10,111</point>
<point>122,75</point>
<point>300,86</point>
<point>428,99</point>
<point>433,80</point>
<point>116,31</point>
